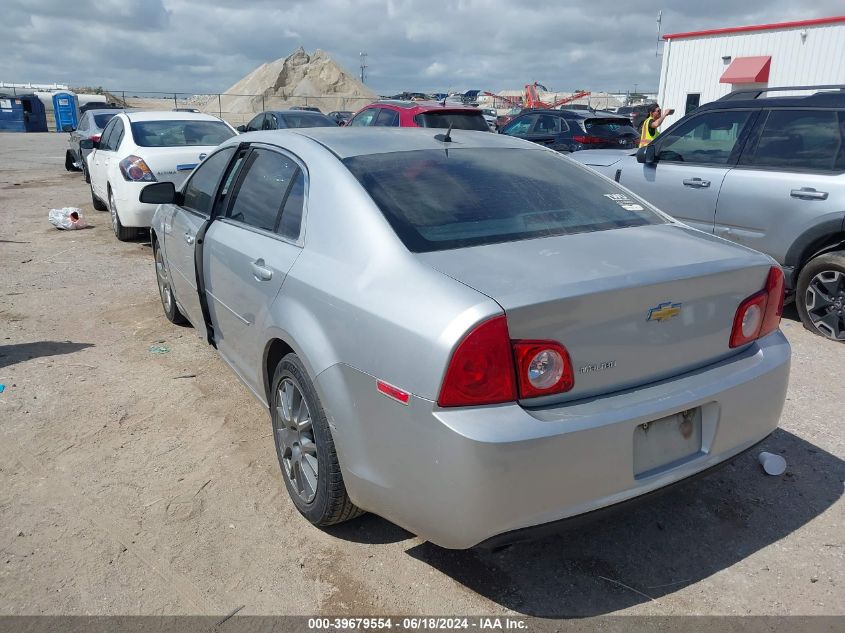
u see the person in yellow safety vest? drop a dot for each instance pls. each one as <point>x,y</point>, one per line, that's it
<point>655,118</point>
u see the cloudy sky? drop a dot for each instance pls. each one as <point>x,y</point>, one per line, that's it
<point>207,45</point>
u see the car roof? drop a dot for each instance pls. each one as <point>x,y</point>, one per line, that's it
<point>423,106</point>
<point>168,115</point>
<point>296,112</point>
<point>345,142</point>
<point>746,99</point>
<point>104,111</point>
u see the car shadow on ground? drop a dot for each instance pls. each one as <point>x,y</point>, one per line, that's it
<point>12,354</point>
<point>370,529</point>
<point>668,543</point>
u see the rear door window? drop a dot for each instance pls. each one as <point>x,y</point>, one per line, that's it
<point>200,189</point>
<point>104,139</point>
<point>437,200</point>
<point>387,118</point>
<point>115,136</point>
<point>798,140</point>
<point>261,189</point>
<point>707,139</point>
<point>291,221</point>
<point>547,124</point>
<point>462,120</point>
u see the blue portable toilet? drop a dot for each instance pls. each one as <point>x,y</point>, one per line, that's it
<point>64,108</point>
<point>22,113</point>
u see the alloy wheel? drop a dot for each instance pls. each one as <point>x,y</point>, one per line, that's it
<point>113,212</point>
<point>163,282</point>
<point>296,440</point>
<point>825,303</point>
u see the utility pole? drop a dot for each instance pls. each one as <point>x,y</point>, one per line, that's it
<point>659,24</point>
<point>363,56</point>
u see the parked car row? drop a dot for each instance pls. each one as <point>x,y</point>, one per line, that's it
<point>453,299</point>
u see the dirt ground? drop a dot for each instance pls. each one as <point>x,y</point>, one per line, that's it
<point>134,482</point>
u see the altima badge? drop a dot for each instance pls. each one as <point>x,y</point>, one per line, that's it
<point>664,311</point>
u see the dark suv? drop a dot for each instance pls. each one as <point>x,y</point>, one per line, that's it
<point>573,130</point>
<point>764,171</point>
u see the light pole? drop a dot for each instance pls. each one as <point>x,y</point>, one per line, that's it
<point>363,56</point>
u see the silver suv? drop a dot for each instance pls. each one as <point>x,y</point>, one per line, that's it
<point>764,171</point>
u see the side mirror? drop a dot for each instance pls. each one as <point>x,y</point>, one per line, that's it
<point>647,155</point>
<point>241,128</point>
<point>68,128</point>
<point>158,193</point>
<point>87,143</point>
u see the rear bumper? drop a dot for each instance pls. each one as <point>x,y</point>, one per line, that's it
<point>459,477</point>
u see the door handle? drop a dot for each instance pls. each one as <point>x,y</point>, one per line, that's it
<point>260,271</point>
<point>808,193</point>
<point>696,182</point>
<point>189,238</point>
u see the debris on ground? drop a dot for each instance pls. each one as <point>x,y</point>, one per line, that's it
<point>67,218</point>
<point>159,349</point>
<point>772,464</point>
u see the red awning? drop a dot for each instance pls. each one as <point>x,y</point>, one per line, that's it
<point>747,70</point>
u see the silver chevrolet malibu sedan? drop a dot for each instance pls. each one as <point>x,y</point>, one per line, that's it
<point>465,333</point>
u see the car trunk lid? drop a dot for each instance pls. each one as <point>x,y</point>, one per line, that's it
<point>632,306</point>
<point>174,164</point>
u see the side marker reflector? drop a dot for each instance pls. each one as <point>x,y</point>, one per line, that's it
<point>395,393</point>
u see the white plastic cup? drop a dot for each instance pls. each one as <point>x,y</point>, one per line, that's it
<point>772,464</point>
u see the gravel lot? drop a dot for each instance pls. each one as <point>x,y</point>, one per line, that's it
<point>140,483</point>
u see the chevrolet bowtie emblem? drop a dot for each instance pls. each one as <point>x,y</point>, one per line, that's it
<point>664,311</point>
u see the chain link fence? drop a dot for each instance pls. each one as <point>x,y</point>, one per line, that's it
<point>237,109</point>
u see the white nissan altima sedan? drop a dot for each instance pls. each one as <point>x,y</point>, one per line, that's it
<point>137,148</point>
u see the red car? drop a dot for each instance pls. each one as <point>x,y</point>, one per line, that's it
<point>393,113</point>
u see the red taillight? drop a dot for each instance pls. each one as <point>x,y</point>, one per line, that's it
<point>760,313</point>
<point>543,368</point>
<point>135,169</point>
<point>775,288</point>
<point>95,138</point>
<point>481,369</point>
<point>588,140</point>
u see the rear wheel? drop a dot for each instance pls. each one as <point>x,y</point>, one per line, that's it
<point>820,295</point>
<point>70,164</point>
<point>123,233</point>
<point>305,447</point>
<point>165,290</point>
<point>84,167</point>
<point>98,204</point>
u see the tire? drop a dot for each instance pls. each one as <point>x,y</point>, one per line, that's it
<point>84,167</point>
<point>307,454</point>
<point>123,233</point>
<point>69,166</point>
<point>820,295</point>
<point>98,204</point>
<point>165,289</point>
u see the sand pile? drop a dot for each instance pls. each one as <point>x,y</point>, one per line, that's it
<point>299,79</point>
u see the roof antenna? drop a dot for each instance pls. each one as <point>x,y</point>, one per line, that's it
<point>446,138</point>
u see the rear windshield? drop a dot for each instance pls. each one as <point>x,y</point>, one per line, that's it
<point>443,199</point>
<point>609,127</point>
<point>308,120</point>
<point>458,120</point>
<point>180,133</point>
<point>100,120</point>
